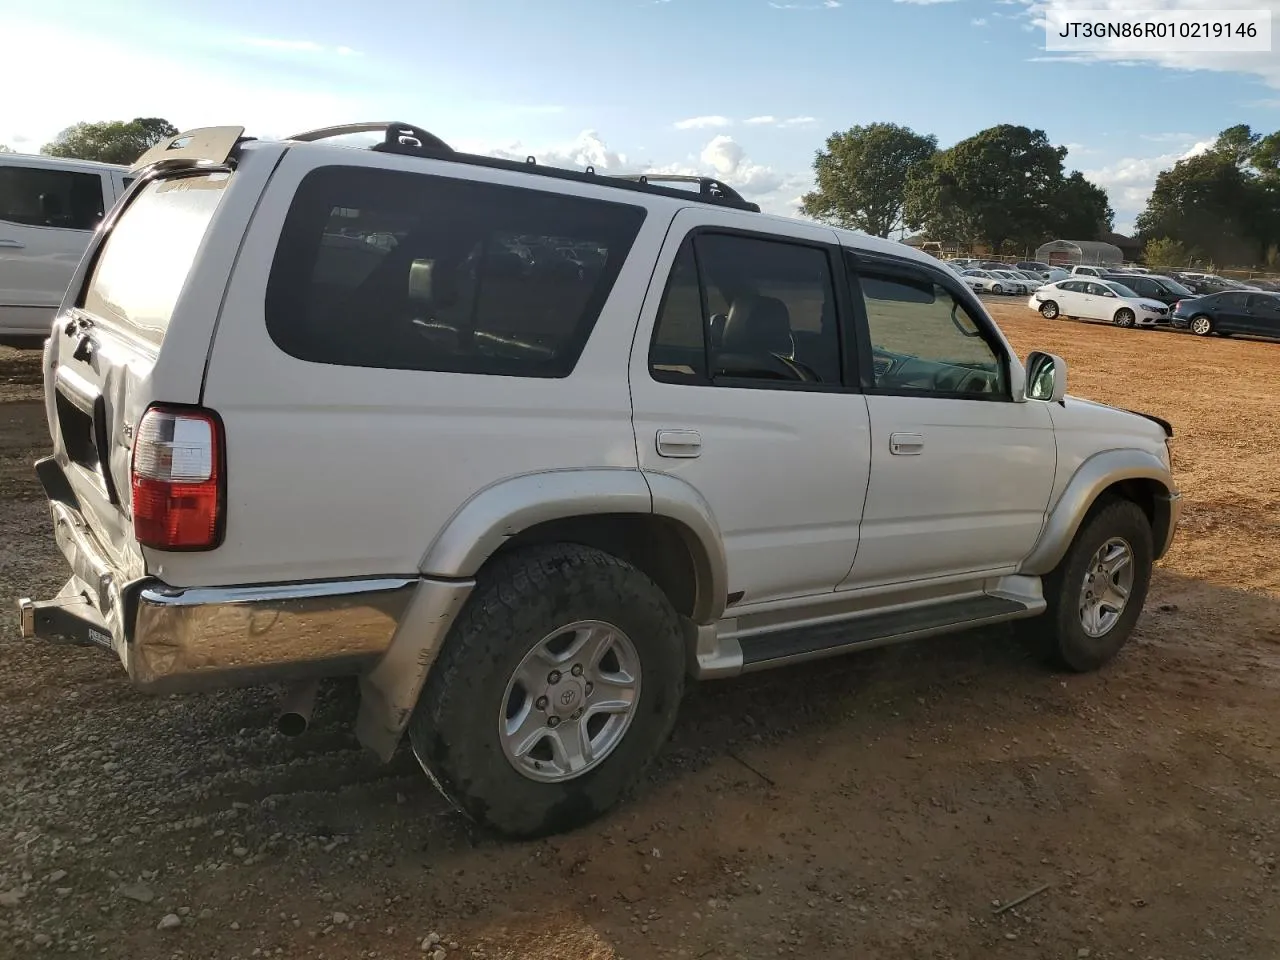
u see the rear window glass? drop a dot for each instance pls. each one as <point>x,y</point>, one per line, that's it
<point>396,270</point>
<point>145,261</point>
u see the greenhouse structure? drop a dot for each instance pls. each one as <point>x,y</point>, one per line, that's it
<point>1072,252</point>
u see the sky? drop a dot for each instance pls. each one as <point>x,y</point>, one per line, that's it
<point>746,90</point>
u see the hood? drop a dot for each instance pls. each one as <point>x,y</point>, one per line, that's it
<point>1082,413</point>
<point>1153,304</point>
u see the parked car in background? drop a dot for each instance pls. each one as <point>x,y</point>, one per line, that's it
<point>1055,274</point>
<point>1255,314</point>
<point>983,281</point>
<point>1097,299</point>
<point>1031,276</point>
<point>49,207</point>
<point>1014,283</point>
<point>1034,266</point>
<point>1153,286</point>
<point>1084,270</point>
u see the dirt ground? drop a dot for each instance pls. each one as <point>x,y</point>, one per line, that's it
<point>879,805</point>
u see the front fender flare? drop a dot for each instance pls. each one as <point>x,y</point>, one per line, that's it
<point>1091,478</point>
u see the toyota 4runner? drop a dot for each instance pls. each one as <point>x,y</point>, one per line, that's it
<point>524,448</point>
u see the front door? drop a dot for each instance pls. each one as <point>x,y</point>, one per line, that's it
<point>738,386</point>
<point>960,473</point>
<point>1264,314</point>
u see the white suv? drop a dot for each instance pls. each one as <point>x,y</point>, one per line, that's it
<point>319,410</point>
<point>49,208</point>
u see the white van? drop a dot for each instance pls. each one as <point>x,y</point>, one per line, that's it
<point>49,207</point>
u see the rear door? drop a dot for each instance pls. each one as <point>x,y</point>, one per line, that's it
<point>47,215</point>
<point>1264,314</point>
<point>740,389</point>
<point>104,359</point>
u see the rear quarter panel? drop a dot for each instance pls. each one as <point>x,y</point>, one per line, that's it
<point>337,471</point>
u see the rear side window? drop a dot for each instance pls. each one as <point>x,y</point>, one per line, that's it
<point>38,197</point>
<point>147,256</point>
<point>382,268</point>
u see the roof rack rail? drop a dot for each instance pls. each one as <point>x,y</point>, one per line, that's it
<point>396,136</point>
<point>708,187</point>
<point>405,138</point>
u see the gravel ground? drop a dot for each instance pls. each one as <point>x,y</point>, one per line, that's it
<point>883,804</point>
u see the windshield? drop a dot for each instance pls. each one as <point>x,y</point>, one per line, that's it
<point>1174,287</point>
<point>149,253</point>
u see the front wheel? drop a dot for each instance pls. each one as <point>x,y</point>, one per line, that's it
<point>1202,326</point>
<point>1124,317</point>
<point>997,289</point>
<point>1049,310</point>
<point>1096,593</point>
<point>555,689</point>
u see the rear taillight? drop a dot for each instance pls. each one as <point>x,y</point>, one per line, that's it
<point>177,480</point>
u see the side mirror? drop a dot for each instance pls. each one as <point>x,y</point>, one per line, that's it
<point>1046,377</point>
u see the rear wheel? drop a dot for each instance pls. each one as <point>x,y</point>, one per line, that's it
<point>1124,317</point>
<point>997,289</point>
<point>1201,325</point>
<point>1096,594</point>
<point>1049,310</point>
<point>557,686</point>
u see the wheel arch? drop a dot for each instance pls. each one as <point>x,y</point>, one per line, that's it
<point>659,523</point>
<point>1128,473</point>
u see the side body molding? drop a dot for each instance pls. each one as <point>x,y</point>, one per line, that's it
<point>1091,478</point>
<point>480,527</point>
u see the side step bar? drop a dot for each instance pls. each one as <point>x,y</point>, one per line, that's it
<point>761,651</point>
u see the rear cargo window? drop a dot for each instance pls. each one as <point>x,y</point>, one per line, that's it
<point>381,268</point>
<point>145,261</point>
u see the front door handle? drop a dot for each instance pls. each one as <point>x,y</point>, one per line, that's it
<point>12,244</point>
<point>679,443</point>
<point>906,444</point>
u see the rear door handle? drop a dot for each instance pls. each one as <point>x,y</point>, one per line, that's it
<point>12,244</point>
<point>906,444</point>
<point>679,443</point>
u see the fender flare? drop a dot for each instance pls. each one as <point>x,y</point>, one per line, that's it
<point>1091,478</point>
<point>504,509</point>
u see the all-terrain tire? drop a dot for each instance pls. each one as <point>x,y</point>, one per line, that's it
<point>1059,634</point>
<point>519,600</point>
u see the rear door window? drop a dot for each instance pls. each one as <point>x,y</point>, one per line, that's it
<point>44,197</point>
<point>408,271</point>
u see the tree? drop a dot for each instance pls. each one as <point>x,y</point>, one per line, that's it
<point>1209,202</point>
<point>1004,187</point>
<point>114,141</point>
<point>1166,254</point>
<point>5,148</point>
<point>862,174</point>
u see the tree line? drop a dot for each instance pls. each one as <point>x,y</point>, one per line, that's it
<point>112,141</point>
<point>1006,188</point>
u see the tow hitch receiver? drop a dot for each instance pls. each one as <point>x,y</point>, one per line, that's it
<point>67,618</point>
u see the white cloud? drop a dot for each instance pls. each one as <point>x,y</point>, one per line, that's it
<point>978,22</point>
<point>1264,65</point>
<point>702,123</point>
<point>1130,180</point>
<point>797,121</point>
<point>924,3</point>
<point>825,5</point>
<point>761,120</point>
<point>722,157</point>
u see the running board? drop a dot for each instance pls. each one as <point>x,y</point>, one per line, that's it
<point>762,651</point>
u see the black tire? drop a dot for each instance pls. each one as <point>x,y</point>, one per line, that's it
<point>1124,318</point>
<point>1049,310</point>
<point>1058,633</point>
<point>519,600</point>
<point>1201,325</point>
<point>997,289</point>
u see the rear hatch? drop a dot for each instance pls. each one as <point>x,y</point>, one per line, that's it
<point>101,361</point>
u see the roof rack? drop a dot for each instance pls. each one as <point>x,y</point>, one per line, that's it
<point>405,138</point>
<point>708,187</point>
<point>397,137</point>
